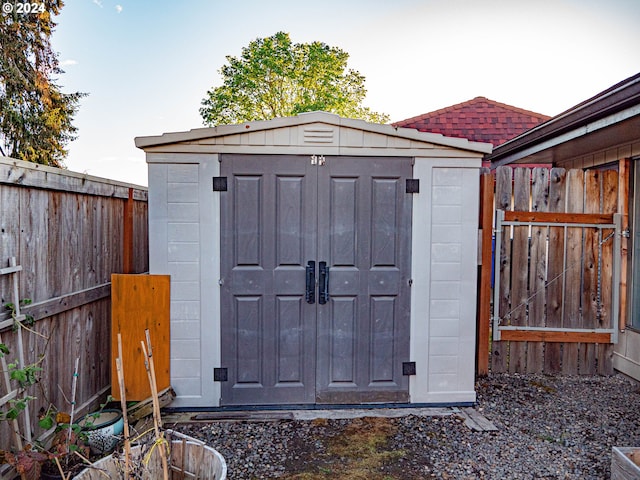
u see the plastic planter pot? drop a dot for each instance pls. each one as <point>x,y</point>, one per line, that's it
<point>103,429</point>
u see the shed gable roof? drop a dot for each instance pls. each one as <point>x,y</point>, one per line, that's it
<point>479,119</point>
<point>307,130</point>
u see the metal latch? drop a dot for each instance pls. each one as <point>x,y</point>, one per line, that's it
<point>318,160</point>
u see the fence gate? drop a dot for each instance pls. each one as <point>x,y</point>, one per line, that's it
<point>557,244</point>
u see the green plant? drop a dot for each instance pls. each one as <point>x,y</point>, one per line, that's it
<point>28,319</point>
<point>47,418</point>
<point>24,376</point>
<point>16,407</point>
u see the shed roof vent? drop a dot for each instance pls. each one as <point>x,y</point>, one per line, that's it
<point>318,135</point>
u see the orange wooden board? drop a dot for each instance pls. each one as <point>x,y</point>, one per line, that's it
<point>140,302</point>
<point>558,217</point>
<point>554,336</point>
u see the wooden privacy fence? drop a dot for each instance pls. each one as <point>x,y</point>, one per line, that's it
<point>69,233</point>
<point>557,270</point>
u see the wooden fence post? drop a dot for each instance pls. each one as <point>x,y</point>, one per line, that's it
<point>127,254</point>
<point>623,208</point>
<point>484,307</point>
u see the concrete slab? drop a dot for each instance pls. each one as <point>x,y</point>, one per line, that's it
<point>473,419</point>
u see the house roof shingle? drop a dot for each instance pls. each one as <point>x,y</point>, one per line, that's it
<point>479,120</point>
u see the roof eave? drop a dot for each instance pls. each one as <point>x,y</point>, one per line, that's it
<point>307,118</point>
<point>615,104</point>
<point>559,139</point>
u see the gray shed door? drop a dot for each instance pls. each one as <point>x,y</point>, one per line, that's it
<point>286,337</point>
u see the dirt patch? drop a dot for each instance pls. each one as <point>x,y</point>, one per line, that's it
<point>360,450</point>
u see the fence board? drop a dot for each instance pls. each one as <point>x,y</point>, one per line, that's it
<point>9,226</point>
<point>591,259</point>
<point>609,205</point>
<point>538,267</point>
<point>500,350</point>
<point>89,239</point>
<point>34,237</point>
<point>54,286</point>
<point>70,217</point>
<point>557,265</point>
<point>573,281</point>
<point>520,276</point>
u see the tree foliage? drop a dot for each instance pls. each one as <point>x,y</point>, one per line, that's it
<point>277,78</point>
<point>35,116</point>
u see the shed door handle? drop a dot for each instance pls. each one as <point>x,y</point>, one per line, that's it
<point>310,275</point>
<point>324,283</point>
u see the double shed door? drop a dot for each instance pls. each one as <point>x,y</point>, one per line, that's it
<point>315,279</point>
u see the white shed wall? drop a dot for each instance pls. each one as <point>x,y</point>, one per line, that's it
<point>183,211</point>
<point>444,271</point>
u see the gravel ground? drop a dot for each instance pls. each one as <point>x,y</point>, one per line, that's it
<point>548,428</point>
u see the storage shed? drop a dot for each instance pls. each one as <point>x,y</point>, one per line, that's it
<point>317,260</point>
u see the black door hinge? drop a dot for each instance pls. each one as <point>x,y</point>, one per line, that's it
<point>220,375</point>
<point>413,185</point>
<point>408,368</point>
<point>219,184</point>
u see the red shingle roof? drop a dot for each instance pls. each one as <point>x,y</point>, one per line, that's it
<point>479,120</point>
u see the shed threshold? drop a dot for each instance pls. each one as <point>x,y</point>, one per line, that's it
<point>316,406</point>
<point>472,418</point>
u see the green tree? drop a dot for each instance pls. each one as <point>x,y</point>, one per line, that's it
<point>277,78</point>
<point>35,116</point>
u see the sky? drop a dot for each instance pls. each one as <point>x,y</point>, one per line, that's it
<point>147,64</point>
